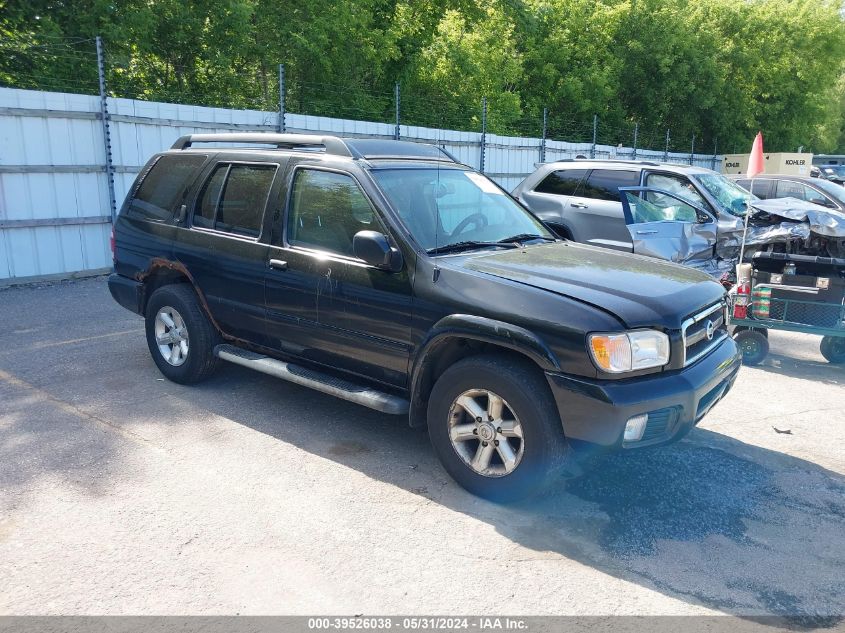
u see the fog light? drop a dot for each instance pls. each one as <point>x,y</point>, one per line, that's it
<point>635,427</point>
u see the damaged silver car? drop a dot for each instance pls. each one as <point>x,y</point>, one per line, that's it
<point>688,215</point>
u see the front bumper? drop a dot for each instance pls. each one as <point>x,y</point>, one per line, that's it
<point>595,411</point>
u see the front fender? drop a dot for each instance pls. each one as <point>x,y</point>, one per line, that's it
<point>475,328</point>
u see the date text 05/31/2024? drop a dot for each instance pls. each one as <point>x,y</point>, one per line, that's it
<point>418,623</point>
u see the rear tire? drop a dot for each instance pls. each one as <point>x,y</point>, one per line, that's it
<point>180,337</point>
<point>753,345</point>
<point>833,349</point>
<point>526,446</point>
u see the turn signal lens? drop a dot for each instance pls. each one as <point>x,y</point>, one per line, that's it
<point>611,352</point>
<point>629,351</point>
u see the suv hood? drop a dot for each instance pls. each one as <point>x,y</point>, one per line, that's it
<point>639,291</point>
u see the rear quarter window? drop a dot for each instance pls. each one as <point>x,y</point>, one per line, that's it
<point>603,184</point>
<point>162,188</point>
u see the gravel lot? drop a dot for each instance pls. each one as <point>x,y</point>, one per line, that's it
<point>122,493</point>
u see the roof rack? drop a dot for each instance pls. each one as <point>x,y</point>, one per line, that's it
<point>332,144</point>
<point>620,161</point>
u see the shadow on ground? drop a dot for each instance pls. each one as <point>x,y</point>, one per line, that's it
<point>804,369</point>
<point>711,520</point>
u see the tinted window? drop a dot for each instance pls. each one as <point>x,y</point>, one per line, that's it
<point>241,206</point>
<point>764,188</point>
<point>326,210</point>
<point>563,183</point>
<point>163,187</point>
<point>603,184</point>
<point>233,199</point>
<point>204,212</point>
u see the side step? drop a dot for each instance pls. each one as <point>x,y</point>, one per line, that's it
<point>359,394</point>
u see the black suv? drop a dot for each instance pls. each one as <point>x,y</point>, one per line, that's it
<point>388,274</point>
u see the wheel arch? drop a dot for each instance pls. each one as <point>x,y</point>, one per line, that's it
<point>164,272</point>
<point>459,336</point>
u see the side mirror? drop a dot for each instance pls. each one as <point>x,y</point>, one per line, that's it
<point>373,248</point>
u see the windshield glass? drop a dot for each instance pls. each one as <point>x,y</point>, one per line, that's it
<point>730,196</point>
<point>836,170</point>
<point>446,206</point>
<point>831,188</point>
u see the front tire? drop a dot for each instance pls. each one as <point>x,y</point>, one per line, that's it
<point>495,427</point>
<point>180,337</point>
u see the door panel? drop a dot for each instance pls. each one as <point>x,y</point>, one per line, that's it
<point>291,294</point>
<point>229,271</point>
<point>678,232</point>
<point>328,306</point>
<point>222,249</point>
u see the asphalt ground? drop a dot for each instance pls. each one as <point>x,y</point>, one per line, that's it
<point>122,493</point>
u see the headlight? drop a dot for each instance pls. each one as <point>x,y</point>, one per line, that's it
<point>629,351</point>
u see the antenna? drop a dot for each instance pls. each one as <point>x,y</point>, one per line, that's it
<point>436,271</point>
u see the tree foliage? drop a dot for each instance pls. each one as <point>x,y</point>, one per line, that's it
<point>720,69</point>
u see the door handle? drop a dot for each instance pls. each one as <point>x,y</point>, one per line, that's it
<point>646,232</point>
<point>578,205</point>
<point>277,264</point>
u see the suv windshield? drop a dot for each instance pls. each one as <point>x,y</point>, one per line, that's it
<point>448,206</point>
<point>834,170</point>
<point>730,196</point>
<point>831,188</point>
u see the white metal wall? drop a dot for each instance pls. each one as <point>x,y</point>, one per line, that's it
<point>54,202</point>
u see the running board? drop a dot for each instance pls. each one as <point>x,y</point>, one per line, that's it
<point>359,394</point>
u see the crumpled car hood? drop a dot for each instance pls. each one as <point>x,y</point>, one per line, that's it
<point>819,219</point>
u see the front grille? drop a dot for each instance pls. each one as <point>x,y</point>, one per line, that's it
<point>660,423</point>
<point>703,331</point>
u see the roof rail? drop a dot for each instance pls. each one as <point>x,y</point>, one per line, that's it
<point>332,144</point>
<point>620,161</point>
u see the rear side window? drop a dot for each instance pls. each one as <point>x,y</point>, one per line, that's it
<point>563,182</point>
<point>790,189</point>
<point>764,188</point>
<point>603,184</point>
<point>234,198</point>
<point>163,187</point>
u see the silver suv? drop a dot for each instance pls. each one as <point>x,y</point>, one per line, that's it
<point>581,199</point>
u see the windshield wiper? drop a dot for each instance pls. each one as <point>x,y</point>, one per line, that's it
<point>525,237</point>
<point>467,245</point>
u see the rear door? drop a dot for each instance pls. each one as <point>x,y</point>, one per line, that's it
<point>670,228</point>
<point>224,247</point>
<point>595,211</point>
<point>549,200</point>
